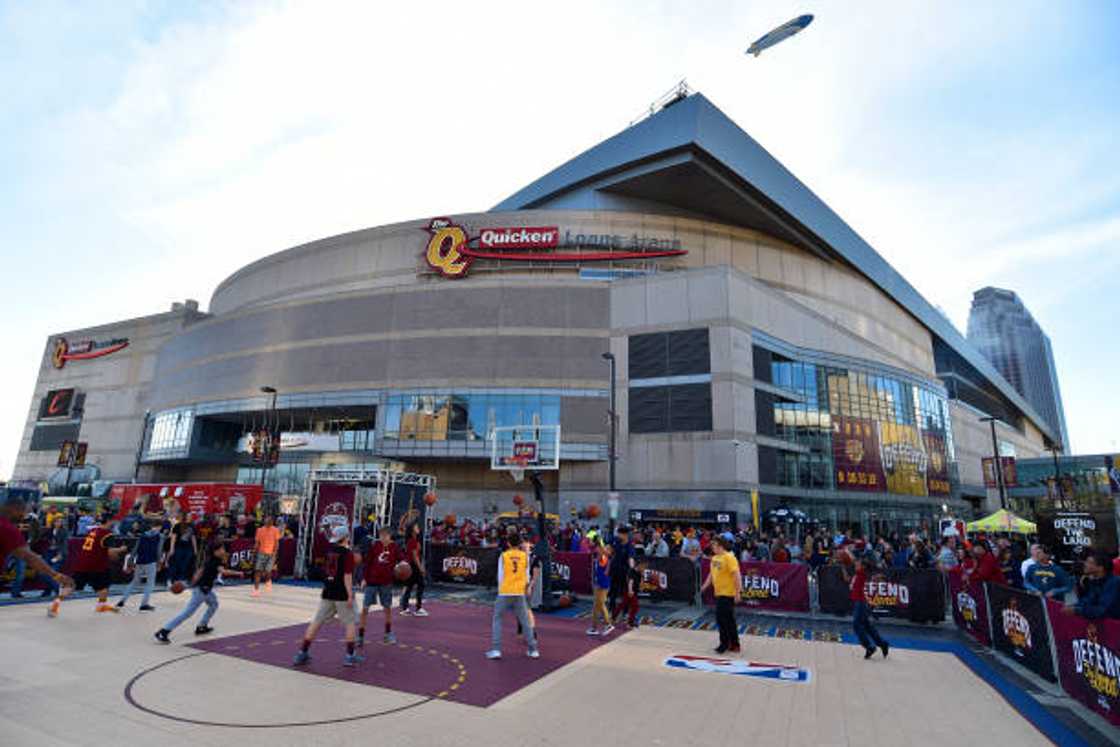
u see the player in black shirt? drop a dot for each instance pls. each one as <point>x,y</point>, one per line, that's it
<point>337,598</point>
<point>203,583</point>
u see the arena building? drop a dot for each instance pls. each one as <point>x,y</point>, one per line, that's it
<point>760,343</point>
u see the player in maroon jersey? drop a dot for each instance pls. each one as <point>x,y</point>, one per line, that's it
<point>91,565</point>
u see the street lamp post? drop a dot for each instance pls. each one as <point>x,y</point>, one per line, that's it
<point>997,462</point>
<point>612,453</point>
<point>1059,498</point>
<point>271,432</point>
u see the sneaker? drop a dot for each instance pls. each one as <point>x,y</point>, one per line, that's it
<point>120,604</point>
<point>17,595</point>
<point>301,657</point>
<point>607,630</point>
<point>146,608</point>
<point>720,649</point>
<point>390,638</point>
<point>421,612</point>
<point>885,648</point>
<point>734,650</point>
<point>494,654</point>
<point>52,610</point>
<point>352,660</point>
<point>406,611</point>
<point>46,593</point>
<point>867,654</point>
<point>592,631</point>
<point>107,608</point>
<point>161,637</point>
<point>203,630</point>
<point>268,587</point>
<point>533,654</point>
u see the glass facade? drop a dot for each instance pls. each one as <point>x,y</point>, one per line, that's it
<point>464,417</point>
<point>851,429</point>
<point>171,434</point>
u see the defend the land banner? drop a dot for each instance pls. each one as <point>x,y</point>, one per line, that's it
<point>773,586</point>
<point>571,571</point>
<point>1019,630</point>
<point>904,459</point>
<point>907,593</point>
<point>1088,660</point>
<point>970,608</point>
<point>470,566</point>
<point>666,578</point>
<point>937,471</point>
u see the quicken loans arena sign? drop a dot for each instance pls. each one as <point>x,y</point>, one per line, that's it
<point>451,251</point>
<point>85,350</point>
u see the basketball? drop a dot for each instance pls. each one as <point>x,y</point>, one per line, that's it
<point>177,587</point>
<point>430,499</point>
<point>518,500</point>
<point>593,511</point>
<point>402,571</point>
<point>564,601</point>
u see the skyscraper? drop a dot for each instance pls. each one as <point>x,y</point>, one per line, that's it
<point>1002,329</point>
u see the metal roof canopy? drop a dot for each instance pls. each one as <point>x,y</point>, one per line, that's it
<point>691,159</point>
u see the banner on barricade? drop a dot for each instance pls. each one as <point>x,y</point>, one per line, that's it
<point>666,578</point>
<point>470,566</point>
<point>773,586</point>
<point>1088,660</point>
<point>1018,621</point>
<point>913,594</point>
<point>571,571</point>
<point>970,608</point>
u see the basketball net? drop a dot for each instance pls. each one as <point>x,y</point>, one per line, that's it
<point>517,471</point>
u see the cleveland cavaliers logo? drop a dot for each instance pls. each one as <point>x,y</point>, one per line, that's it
<point>58,356</point>
<point>443,251</point>
<point>334,515</point>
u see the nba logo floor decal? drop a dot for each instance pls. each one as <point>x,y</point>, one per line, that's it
<point>788,672</point>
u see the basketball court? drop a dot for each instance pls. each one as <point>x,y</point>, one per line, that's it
<point>87,678</point>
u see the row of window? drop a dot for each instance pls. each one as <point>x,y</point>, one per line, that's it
<point>171,431</point>
<point>464,417</point>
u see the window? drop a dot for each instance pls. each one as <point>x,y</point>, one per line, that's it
<point>464,417</point>
<point>670,382</point>
<point>661,354</point>
<point>171,431</point>
<point>671,409</point>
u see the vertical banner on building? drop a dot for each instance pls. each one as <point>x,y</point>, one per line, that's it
<point>755,515</point>
<point>937,471</point>
<point>772,586</point>
<point>855,454</point>
<point>904,459</point>
<point>1010,473</point>
<point>1088,660</point>
<point>335,508</point>
<point>970,608</point>
<point>1018,620</point>
<point>571,571</point>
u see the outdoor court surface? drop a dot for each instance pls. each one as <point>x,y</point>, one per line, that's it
<point>97,679</point>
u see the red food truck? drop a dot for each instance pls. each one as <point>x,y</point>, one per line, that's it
<point>198,498</point>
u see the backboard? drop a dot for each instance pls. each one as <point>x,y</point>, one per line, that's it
<point>517,448</point>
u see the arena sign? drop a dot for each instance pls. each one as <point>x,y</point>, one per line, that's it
<point>84,350</point>
<point>451,251</point>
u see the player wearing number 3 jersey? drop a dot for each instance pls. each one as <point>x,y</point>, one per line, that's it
<point>513,581</point>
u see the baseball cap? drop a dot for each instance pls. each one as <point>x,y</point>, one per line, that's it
<point>339,533</point>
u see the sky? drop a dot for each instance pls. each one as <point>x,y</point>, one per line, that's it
<point>150,149</point>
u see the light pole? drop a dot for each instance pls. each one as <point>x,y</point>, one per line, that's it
<point>997,462</point>
<point>612,454</point>
<point>1059,498</point>
<point>271,433</point>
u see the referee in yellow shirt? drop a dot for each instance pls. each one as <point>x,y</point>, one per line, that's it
<point>727,583</point>
<point>513,580</point>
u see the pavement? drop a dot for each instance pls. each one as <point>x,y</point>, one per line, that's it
<point>87,678</point>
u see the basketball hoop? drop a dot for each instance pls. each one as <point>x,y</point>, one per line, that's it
<point>517,470</point>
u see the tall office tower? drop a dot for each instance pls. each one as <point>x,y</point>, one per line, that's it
<point>1002,329</point>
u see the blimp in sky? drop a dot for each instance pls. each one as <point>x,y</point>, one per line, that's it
<point>781,33</point>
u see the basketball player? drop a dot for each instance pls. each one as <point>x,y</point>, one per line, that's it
<point>205,578</point>
<point>266,541</point>
<point>91,566</point>
<point>337,598</point>
<point>382,558</point>
<point>413,548</point>
<point>533,593</point>
<point>13,543</point>
<point>862,621</point>
<point>727,585</point>
<point>513,582</point>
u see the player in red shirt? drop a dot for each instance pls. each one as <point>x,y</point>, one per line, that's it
<point>91,564</point>
<point>412,549</point>
<point>383,556</point>
<point>13,543</point>
<point>862,621</point>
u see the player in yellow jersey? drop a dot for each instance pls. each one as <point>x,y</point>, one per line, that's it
<point>513,581</point>
<point>727,585</point>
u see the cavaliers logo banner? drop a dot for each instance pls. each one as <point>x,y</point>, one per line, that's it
<point>775,586</point>
<point>335,509</point>
<point>470,566</point>
<point>1088,660</point>
<point>855,452</point>
<point>937,472</point>
<point>1019,630</point>
<point>970,608</point>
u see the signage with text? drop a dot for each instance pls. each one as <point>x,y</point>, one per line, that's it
<point>450,251</point>
<point>85,350</point>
